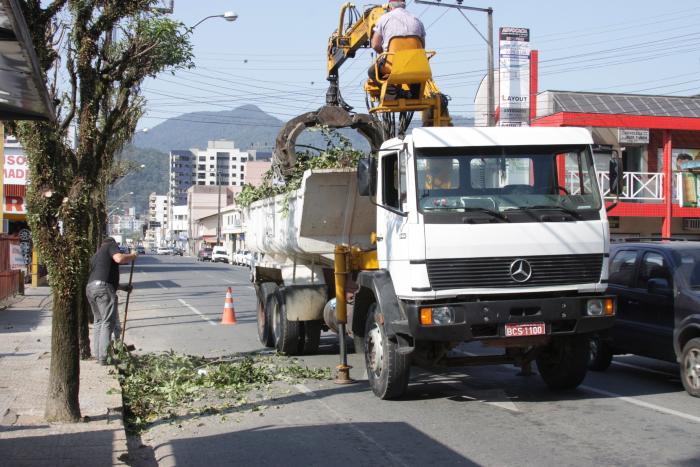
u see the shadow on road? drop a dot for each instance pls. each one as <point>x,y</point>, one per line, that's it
<point>339,444</point>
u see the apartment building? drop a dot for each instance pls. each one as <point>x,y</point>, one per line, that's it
<point>221,163</point>
<point>158,215</point>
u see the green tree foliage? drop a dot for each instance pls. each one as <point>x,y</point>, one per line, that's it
<point>101,99</point>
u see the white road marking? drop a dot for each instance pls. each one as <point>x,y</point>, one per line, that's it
<point>637,402</point>
<point>194,310</point>
<point>495,397</point>
<point>648,370</point>
<point>161,286</point>
<point>305,390</point>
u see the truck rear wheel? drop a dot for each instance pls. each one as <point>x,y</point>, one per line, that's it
<point>265,334</point>
<point>564,362</point>
<point>387,370</point>
<point>311,337</point>
<point>287,334</point>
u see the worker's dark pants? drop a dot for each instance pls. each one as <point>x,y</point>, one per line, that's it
<point>104,304</point>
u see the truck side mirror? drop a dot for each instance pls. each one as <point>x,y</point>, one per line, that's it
<point>367,176</point>
<point>615,176</point>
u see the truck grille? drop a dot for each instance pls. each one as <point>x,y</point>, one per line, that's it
<point>468,273</point>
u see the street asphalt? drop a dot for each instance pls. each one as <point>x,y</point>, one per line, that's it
<point>636,413</point>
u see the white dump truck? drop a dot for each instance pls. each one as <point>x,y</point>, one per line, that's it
<point>448,235</point>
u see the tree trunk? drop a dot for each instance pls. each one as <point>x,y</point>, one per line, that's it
<point>62,399</point>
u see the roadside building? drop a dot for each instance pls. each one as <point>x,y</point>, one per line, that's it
<point>255,172</point>
<point>203,202</point>
<point>179,226</point>
<point>157,221</point>
<point>232,229</point>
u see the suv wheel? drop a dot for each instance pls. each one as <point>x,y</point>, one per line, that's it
<point>600,354</point>
<point>690,367</point>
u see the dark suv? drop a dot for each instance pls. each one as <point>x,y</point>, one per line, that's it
<point>657,284</point>
<point>204,254</point>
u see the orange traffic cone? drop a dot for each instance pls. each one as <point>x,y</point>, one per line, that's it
<point>229,316</point>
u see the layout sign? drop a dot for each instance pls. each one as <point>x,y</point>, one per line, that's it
<point>514,74</point>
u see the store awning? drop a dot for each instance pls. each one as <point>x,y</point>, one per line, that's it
<point>23,93</point>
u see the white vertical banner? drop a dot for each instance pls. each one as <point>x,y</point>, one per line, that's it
<point>514,74</point>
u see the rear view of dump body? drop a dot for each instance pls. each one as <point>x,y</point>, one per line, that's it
<point>496,235</point>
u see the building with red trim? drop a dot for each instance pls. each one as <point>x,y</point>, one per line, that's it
<point>648,133</point>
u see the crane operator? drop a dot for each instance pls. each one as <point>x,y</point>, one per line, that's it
<point>396,23</point>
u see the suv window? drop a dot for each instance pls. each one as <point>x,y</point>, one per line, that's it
<point>653,267</point>
<point>622,267</point>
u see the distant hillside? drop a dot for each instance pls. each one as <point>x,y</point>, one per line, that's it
<point>248,126</point>
<point>142,182</point>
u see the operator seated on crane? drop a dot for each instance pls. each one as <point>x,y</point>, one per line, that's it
<point>397,23</point>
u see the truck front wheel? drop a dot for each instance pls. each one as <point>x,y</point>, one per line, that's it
<point>387,369</point>
<point>564,362</point>
<point>287,334</point>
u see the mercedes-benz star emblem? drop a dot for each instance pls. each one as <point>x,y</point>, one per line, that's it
<point>520,270</point>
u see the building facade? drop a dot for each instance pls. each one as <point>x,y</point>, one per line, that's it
<point>158,215</point>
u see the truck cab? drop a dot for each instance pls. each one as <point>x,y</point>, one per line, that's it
<point>486,234</point>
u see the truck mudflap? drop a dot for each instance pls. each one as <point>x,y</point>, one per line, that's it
<point>303,302</point>
<point>488,319</point>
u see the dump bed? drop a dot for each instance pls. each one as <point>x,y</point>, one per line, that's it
<point>325,211</point>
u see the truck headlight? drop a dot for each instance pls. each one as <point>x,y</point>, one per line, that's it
<point>600,307</point>
<point>594,307</point>
<point>437,315</point>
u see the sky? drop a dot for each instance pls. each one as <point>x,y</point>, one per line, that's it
<point>274,55</point>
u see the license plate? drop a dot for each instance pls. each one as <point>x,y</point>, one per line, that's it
<point>523,330</point>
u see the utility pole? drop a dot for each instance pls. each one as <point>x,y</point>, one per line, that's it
<point>491,117</point>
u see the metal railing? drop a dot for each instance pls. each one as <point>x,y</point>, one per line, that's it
<point>636,186</point>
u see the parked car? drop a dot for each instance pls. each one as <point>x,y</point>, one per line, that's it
<point>204,254</point>
<point>140,250</point>
<point>164,250</point>
<point>219,254</point>
<point>239,257</point>
<point>123,249</point>
<point>178,251</point>
<point>657,285</point>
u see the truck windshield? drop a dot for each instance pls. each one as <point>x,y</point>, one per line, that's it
<point>501,179</point>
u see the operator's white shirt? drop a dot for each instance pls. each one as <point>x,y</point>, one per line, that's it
<point>401,23</point>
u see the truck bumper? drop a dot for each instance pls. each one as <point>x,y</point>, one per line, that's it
<point>487,319</point>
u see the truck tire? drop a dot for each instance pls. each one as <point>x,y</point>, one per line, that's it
<point>690,367</point>
<point>387,370</point>
<point>564,362</point>
<point>287,334</point>
<point>311,337</point>
<point>265,334</point>
<point>600,354</point>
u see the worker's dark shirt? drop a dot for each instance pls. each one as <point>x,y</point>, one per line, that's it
<point>103,267</point>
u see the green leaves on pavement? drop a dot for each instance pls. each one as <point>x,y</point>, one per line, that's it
<point>161,386</point>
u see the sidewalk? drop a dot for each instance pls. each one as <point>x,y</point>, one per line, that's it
<point>25,438</point>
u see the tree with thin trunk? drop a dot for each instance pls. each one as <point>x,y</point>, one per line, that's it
<point>96,54</point>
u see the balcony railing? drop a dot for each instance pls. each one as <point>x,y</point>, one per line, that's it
<point>636,186</point>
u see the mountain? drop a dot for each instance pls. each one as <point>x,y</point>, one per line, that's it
<point>142,182</point>
<point>248,126</point>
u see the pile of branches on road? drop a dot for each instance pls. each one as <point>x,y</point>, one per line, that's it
<point>164,386</point>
